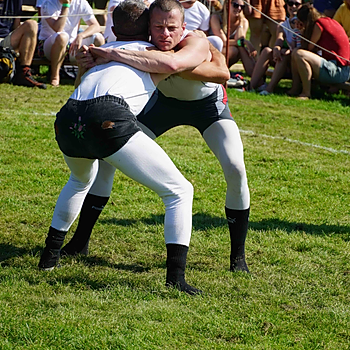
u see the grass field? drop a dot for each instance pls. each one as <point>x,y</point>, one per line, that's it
<point>297,156</point>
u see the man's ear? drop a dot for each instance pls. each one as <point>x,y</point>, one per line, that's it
<point>184,26</point>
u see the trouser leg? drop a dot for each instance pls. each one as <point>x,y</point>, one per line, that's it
<point>144,161</point>
<point>224,140</point>
<point>93,205</point>
<point>68,205</point>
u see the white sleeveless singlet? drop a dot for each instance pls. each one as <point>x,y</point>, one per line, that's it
<point>118,79</point>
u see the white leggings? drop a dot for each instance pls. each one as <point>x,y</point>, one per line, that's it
<point>144,161</point>
<point>224,139</point>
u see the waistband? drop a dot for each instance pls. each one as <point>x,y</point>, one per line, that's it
<point>100,99</point>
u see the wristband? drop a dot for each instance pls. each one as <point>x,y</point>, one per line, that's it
<point>66,5</point>
<point>240,42</point>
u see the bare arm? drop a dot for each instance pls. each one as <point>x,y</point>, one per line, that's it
<point>191,52</point>
<point>315,37</point>
<point>277,55</point>
<point>93,27</point>
<point>58,24</point>
<point>215,26</point>
<point>214,71</point>
<point>16,23</point>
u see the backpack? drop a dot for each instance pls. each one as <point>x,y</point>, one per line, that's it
<point>7,64</point>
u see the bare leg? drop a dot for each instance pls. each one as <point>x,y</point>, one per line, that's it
<point>278,73</point>
<point>256,26</point>
<point>58,53</point>
<point>233,55</point>
<point>308,65</point>
<point>23,40</point>
<point>296,82</point>
<point>248,62</point>
<point>272,29</point>
<point>261,67</point>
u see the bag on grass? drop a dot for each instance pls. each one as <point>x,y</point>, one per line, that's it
<point>7,64</point>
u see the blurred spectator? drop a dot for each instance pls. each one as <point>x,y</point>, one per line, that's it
<point>21,38</point>
<point>59,33</point>
<point>342,16</point>
<point>271,8</point>
<point>239,47</point>
<point>327,7</point>
<point>108,34</point>
<point>100,5</point>
<point>197,17</point>
<point>331,66</point>
<point>280,55</point>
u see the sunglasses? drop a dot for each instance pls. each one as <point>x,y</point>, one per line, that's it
<point>236,5</point>
<point>293,3</point>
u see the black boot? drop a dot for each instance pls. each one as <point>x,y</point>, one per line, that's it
<point>176,264</point>
<point>238,226</point>
<point>51,254</point>
<point>91,210</point>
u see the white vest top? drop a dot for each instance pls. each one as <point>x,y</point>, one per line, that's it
<point>118,79</point>
<point>186,90</point>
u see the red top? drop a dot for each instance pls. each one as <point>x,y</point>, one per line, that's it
<point>334,39</point>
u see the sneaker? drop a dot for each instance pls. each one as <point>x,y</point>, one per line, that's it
<point>264,93</point>
<point>262,87</point>
<point>25,78</point>
<point>235,83</point>
<point>49,259</point>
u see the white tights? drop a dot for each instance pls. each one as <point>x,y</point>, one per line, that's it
<point>142,160</point>
<point>224,139</point>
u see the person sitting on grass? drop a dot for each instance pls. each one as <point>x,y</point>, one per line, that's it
<point>59,32</point>
<point>21,38</point>
<point>332,66</point>
<point>280,55</point>
<point>239,47</point>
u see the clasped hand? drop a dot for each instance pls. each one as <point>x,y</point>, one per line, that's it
<point>91,56</point>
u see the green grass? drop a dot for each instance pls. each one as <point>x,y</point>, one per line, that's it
<point>297,156</point>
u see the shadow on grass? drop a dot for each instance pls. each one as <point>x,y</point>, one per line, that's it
<point>203,221</point>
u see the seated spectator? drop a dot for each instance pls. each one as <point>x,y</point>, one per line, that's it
<point>197,17</point>
<point>342,16</point>
<point>59,33</point>
<point>257,22</point>
<point>100,5</point>
<point>327,7</point>
<point>239,47</point>
<point>21,38</point>
<point>280,55</point>
<point>331,66</point>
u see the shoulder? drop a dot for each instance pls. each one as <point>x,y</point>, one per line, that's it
<point>202,7</point>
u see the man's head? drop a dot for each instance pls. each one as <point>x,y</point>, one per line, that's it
<point>166,23</point>
<point>130,20</point>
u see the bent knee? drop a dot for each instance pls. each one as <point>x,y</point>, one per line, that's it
<point>235,173</point>
<point>99,39</point>
<point>62,38</point>
<point>30,26</point>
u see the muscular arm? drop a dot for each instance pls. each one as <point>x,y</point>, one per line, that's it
<point>191,52</point>
<point>214,71</point>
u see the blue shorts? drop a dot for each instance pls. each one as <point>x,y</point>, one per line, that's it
<point>94,128</point>
<point>322,5</point>
<point>331,73</point>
